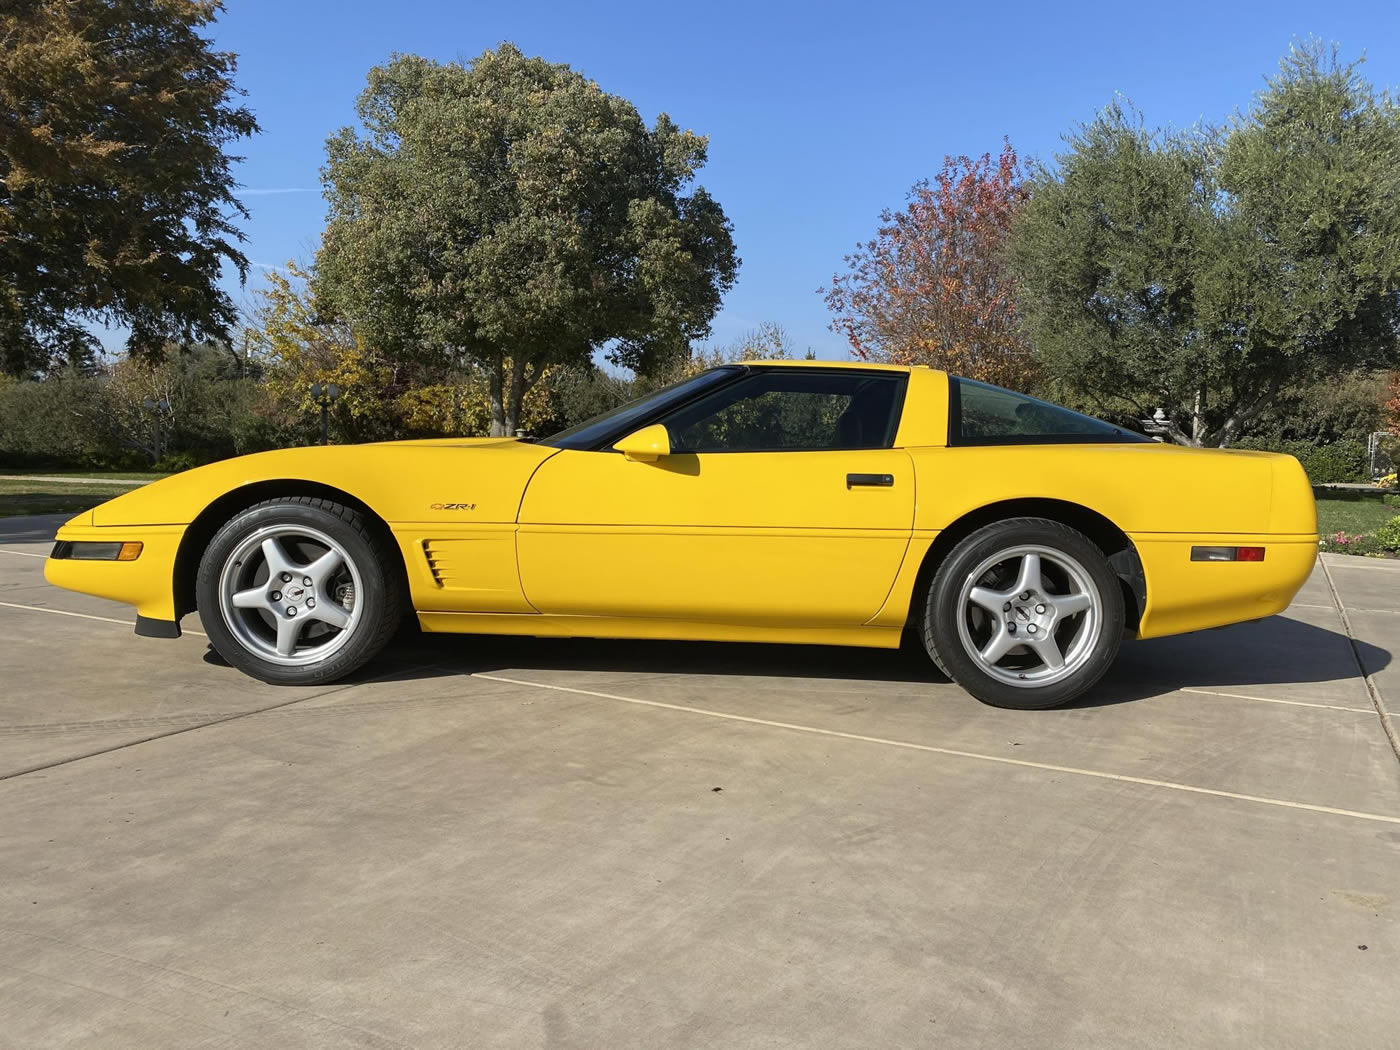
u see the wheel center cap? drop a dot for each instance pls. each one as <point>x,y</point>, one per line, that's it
<point>295,592</point>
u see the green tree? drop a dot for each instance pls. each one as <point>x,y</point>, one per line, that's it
<point>512,215</point>
<point>769,341</point>
<point>1348,406</point>
<point>116,194</point>
<point>1204,273</point>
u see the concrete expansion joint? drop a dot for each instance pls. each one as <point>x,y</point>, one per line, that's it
<point>1387,723</point>
<point>176,730</point>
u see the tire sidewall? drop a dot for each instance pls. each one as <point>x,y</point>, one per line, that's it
<point>374,587</point>
<point>941,612</point>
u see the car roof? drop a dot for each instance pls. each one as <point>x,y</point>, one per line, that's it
<point>862,365</point>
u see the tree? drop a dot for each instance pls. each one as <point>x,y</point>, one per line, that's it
<point>769,341</point>
<point>511,215</point>
<point>1391,408</point>
<point>300,341</point>
<point>932,286</point>
<point>1205,273</point>
<point>115,190</point>
<point>1347,406</point>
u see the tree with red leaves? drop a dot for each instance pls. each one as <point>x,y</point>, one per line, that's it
<point>931,288</point>
<point>1392,404</point>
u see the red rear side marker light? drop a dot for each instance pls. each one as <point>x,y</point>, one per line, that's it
<point>1227,553</point>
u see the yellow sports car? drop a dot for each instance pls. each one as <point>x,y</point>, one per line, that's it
<point>838,504</point>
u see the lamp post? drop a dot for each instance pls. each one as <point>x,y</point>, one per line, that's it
<point>159,409</point>
<point>325,395</point>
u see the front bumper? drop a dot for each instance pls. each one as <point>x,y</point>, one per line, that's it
<point>148,582</point>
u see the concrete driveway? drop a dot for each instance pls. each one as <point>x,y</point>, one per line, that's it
<point>518,843</point>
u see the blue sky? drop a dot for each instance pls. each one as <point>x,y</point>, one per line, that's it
<point>819,115</point>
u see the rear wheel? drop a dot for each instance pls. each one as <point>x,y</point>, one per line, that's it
<point>298,591</point>
<point>1024,613</point>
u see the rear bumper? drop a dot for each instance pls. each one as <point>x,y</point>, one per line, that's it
<point>1185,595</point>
<point>147,583</point>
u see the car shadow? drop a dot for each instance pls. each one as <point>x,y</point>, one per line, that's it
<point>1275,651</point>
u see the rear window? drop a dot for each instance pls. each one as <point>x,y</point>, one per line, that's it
<point>982,414</point>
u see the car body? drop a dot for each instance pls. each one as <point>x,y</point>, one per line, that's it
<point>815,505</point>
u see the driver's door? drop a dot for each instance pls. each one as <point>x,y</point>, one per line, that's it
<point>781,503</point>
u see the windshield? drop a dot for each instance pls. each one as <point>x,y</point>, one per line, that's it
<point>621,421</point>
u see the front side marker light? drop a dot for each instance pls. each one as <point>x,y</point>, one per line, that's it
<point>78,550</point>
<point>1227,553</point>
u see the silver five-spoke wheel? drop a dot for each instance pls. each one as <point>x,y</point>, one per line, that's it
<point>1029,615</point>
<point>288,594</point>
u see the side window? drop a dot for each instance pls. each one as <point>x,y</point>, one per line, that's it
<point>791,411</point>
<point>989,415</point>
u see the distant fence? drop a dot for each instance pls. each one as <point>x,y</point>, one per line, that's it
<point>1375,451</point>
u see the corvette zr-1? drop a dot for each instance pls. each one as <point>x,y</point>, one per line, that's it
<point>843,504</point>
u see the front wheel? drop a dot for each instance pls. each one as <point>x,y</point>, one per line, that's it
<point>1024,613</point>
<point>298,591</point>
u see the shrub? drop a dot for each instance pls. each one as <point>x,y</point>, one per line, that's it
<point>1388,535</point>
<point>1337,463</point>
<point>56,424</point>
<point>76,421</point>
<point>174,462</point>
<point>1352,543</point>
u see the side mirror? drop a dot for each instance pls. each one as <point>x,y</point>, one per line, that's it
<point>646,445</point>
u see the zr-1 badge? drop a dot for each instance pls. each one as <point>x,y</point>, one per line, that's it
<point>453,506</point>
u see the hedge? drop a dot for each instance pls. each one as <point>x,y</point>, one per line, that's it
<point>1338,463</point>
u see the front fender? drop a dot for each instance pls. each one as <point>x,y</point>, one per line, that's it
<point>476,481</point>
<point>432,488</point>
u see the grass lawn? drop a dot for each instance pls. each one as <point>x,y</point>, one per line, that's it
<point>54,497</point>
<point>1362,516</point>
<point>1359,519</point>
<point>115,475</point>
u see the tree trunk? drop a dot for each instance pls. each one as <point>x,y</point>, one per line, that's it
<point>497,385</point>
<point>1198,418</point>
<point>1241,416</point>
<point>517,395</point>
<point>511,380</point>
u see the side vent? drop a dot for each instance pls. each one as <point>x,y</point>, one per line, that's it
<point>439,561</point>
<point>474,571</point>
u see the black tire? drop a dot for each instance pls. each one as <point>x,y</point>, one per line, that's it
<point>949,645</point>
<point>377,600</point>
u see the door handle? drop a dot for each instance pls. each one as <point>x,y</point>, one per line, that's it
<point>882,481</point>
